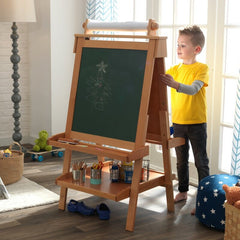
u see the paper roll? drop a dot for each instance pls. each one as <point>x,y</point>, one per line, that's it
<point>128,26</point>
<point>93,25</point>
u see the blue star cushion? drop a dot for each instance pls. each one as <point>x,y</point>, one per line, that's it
<point>210,199</point>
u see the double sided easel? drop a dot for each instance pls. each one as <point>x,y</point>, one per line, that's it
<point>152,124</point>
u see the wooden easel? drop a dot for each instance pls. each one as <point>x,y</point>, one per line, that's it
<point>152,126</point>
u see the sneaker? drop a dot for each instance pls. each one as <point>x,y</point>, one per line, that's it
<point>72,206</point>
<point>85,210</point>
<point>75,206</point>
<point>103,211</point>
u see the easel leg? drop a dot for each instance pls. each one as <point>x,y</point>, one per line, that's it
<point>165,134</point>
<point>168,181</point>
<point>66,168</point>
<point>63,198</point>
<point>134,195</point>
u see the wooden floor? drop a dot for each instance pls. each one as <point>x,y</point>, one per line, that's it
<point>152,219</point>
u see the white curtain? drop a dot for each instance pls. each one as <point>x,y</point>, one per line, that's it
<point>102,10</point>
<point>235,162</point>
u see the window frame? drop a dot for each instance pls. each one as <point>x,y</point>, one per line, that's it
<point>215,44</point>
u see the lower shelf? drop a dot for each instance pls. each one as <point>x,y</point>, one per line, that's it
<point>107,189</point>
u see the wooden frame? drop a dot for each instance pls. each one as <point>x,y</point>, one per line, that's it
<point>83,41</point>
<point>152,126</point>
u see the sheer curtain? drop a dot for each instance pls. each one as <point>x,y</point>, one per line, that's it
<point>235,163</point>
<point>102,10</point>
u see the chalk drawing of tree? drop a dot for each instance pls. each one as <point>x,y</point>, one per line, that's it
<point>98,88</point>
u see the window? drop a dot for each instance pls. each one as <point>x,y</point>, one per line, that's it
<point>220,22</point>
<point>132,10</point>
<point>179,14</point>
<point>230,71</point>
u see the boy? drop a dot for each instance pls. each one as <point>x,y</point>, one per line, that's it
<point>188,102</point>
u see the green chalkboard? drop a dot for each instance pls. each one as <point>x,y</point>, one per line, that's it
<point>109,92</point>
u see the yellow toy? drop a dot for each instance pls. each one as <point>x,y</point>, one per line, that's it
<point>7,153</point>
<point>232,195</point>
<point>41,142</point>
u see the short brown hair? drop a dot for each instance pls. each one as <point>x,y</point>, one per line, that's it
<point>196,34</point>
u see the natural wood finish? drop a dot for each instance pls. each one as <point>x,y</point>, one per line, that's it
<point>158,102</point>
<point>109,190</point>
<point>142,119</point>
<point>85,42</point>
<point>147,83</point>
<point>152,27</point>
<point>174,142</point>
<point>66,168</point>
<point>163,116</point>
<point>122,155</point>
<point>158,126</point>
<point>153,125</point>
<point>102,140</point>
<point>72,95</point>
<point>160,44</point>
<point>161,48</point>
<point>118,36</point>
<point>134,195</point>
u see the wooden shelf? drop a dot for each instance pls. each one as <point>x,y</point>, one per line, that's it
<point>114,191</point>
<point>59,140</point>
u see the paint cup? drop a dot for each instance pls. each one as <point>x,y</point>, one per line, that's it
<point>82,175</point>
<point>128,173</point>
<point>76,175</point>
<point>114,171</point>
<point>96,176</point>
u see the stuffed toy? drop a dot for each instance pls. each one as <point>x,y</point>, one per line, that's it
<point>232,195</point>
<point>41,142</point>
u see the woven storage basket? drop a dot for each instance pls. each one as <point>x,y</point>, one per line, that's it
<point>232,222</point>
<point>11,168</point>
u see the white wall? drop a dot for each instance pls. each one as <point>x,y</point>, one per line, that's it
<point>51,62</point>
<point>66,20</point>
<point>46,66</point>
<point>40,69</point>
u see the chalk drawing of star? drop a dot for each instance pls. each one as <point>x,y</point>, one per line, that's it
<point>101,66</point>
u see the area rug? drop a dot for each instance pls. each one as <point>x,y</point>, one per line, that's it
<point>25,194</point>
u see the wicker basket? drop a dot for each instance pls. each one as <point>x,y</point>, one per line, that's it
<point>11,168</point>
<point>232,222</point>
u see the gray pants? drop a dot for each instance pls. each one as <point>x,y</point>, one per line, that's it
<point>197,135</point>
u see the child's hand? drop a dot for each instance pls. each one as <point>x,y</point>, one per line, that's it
<point>168,80</point>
